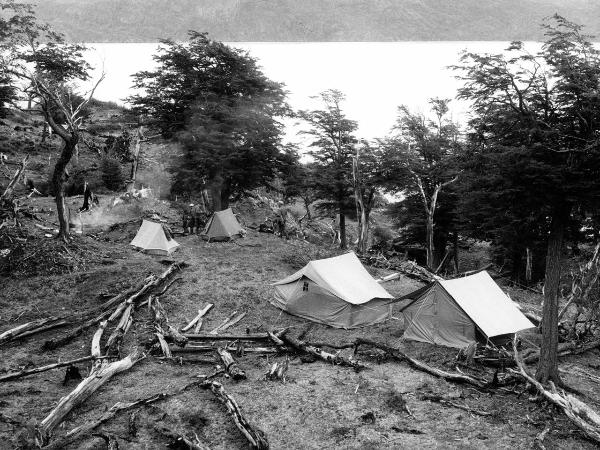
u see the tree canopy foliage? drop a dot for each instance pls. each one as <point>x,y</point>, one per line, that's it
<point>332,148</point>
<point>222,109</point>
<point>534,149</point>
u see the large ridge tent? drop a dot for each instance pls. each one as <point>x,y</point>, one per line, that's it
<point>151,238</point>
<point>335,291</point>
<point>455,313</point>
<point>222,226</point>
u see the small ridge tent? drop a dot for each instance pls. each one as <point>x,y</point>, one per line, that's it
<point>455,313</point>
<point>151,238</point>
<point>335,291</point>
<point>222,226</point>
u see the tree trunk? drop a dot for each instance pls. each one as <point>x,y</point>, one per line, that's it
<point>456,256</point>
<point>343,243</point>
<point>59,178</point>
<point>215,186</point>
<point>528,265</point>
<point>548,365</point>
<point>429,239</point>
<point>307,207</point>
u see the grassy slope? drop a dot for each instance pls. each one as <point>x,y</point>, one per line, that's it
<point>320,407</point>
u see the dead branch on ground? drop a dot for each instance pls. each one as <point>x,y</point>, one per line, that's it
<point>231,365</point>
<point>315,351</point>
<point>415,363</point>
<point>198,319</point>
<point>255,436</point>
<point>24,373</point>
<point>447,402</point>
<point>585,418</point>
<point>81,393</point>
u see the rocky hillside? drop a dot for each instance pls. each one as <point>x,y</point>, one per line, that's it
<point>312,20</point>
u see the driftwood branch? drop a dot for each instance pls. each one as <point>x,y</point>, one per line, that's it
<point>81,393</point>
<point>585,418</point>
<point>315,351</point>
<point>255,436</point>
<point>415,363</point>
<point>231,366</point>
<point>198,319</point>
<point>24,373</point>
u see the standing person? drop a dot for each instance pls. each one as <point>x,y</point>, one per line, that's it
<point>187,219</point>
<point>281,216</point>
<point>196,214</point>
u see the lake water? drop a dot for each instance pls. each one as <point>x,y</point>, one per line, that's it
<point>376,77</point>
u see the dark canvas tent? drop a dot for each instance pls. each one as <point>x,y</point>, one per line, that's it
<point>335,291</point>
<point>222,226</point>
<point>151,238</point>
<point>455,313</point>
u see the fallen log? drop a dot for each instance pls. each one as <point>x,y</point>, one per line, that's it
<point>161,323</point>
<point>227,337</point>
<point>114,341</point>
<point>164,346</point>
<point>208,349</point>
<point>231,366</point>
<point>180,441</point>
<point>29,327</point>
<point>447,402</point>
<point>230,321</point>
<point>95,350</point>
<point>81,393</point>
<point>25,373</point>
<point>415,363</point>
<point>122,300</point>
<point>564,349</point>
<point>315,351</point>
<point>255,436</point>
<point>87,428</point>
<point>275,338</point>
<point>198,319</point>
<point>585,418</point>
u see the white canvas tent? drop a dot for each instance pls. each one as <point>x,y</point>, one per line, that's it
<point>222,226</point>
<point>151,238</point>
<point>455,313</point>
<point>335,291</point>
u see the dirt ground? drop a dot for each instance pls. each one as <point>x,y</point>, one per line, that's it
<point>320,405</point>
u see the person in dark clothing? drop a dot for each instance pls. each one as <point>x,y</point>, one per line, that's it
<point>187,219</point>
<point>196,214</point>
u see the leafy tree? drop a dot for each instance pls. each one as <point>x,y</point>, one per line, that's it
<point>224,110</point>
<point>41,58</point>
<point>538,116</point>
<point>423,152</point>
<point>332,150</point>
<point>368,177</point>
<point>301,182</point>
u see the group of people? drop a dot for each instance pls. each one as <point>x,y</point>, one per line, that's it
<point>194,219</point>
